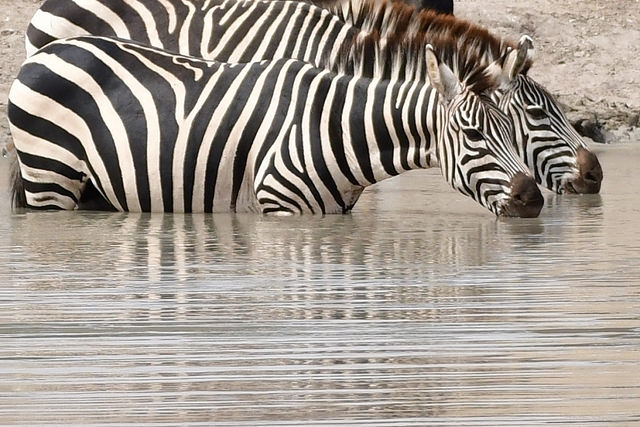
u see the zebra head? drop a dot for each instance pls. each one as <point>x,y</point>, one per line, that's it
<point>544,138</point>
<point>475,149</point>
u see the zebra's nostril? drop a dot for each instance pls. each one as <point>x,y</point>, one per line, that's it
<point>590,176</point>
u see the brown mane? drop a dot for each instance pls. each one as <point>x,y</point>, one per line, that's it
<point>369,55</point>
<point>397,32</point>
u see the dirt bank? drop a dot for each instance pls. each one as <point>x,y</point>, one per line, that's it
<point>587,53</point>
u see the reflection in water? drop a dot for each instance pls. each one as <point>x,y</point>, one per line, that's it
<point>416,309</point>
<point>348,260</point>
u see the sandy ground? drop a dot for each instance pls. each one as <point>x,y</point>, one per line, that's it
<point>587,53</point>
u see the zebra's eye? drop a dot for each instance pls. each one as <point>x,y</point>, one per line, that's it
<point>537,113</point>
<point>473,134</point>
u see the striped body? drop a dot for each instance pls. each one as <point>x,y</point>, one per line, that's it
<point>155,131</point>
<point>240,31</point>
<point>224,30</point>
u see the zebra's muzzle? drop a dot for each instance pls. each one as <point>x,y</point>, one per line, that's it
<point>590,174</point>
<point>526,200</point>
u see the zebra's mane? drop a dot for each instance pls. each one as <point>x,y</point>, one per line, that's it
<point>395,35</point>
<point>369,55</point>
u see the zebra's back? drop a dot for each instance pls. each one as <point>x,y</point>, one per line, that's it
<point>228,31</point>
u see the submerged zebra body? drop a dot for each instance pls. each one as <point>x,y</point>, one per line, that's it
<point>231,30</point>
<point>156,131</point>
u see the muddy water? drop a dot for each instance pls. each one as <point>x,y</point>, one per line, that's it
<point>418,309</point>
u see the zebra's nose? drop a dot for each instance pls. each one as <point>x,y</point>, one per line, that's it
<point>526,198</point>
<point>589,177</point>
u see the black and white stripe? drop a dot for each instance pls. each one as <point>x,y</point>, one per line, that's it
<point>240,31</point>
<point>227,30</point>
<point>156,131</point>
<point>554,152</point>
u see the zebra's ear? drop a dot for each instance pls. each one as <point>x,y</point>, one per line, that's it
<point>517,59</point>
<point>441,77</point>
<point>504,69</point>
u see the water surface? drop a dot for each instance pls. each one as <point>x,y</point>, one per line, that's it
<point>420,308</point>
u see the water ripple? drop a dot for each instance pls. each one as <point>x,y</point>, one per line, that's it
<point>417,309</point>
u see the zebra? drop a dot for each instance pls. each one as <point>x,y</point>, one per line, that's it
<point>555,153</point>
<point>152,130</point>
<point>240,31</point>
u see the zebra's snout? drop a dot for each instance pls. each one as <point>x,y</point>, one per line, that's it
<point>590,174</point>
<point>526,199</point>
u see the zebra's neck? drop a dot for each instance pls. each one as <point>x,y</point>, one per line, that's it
<point>384,127</point>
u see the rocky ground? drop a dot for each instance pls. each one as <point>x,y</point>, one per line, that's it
<point>587,53</point>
